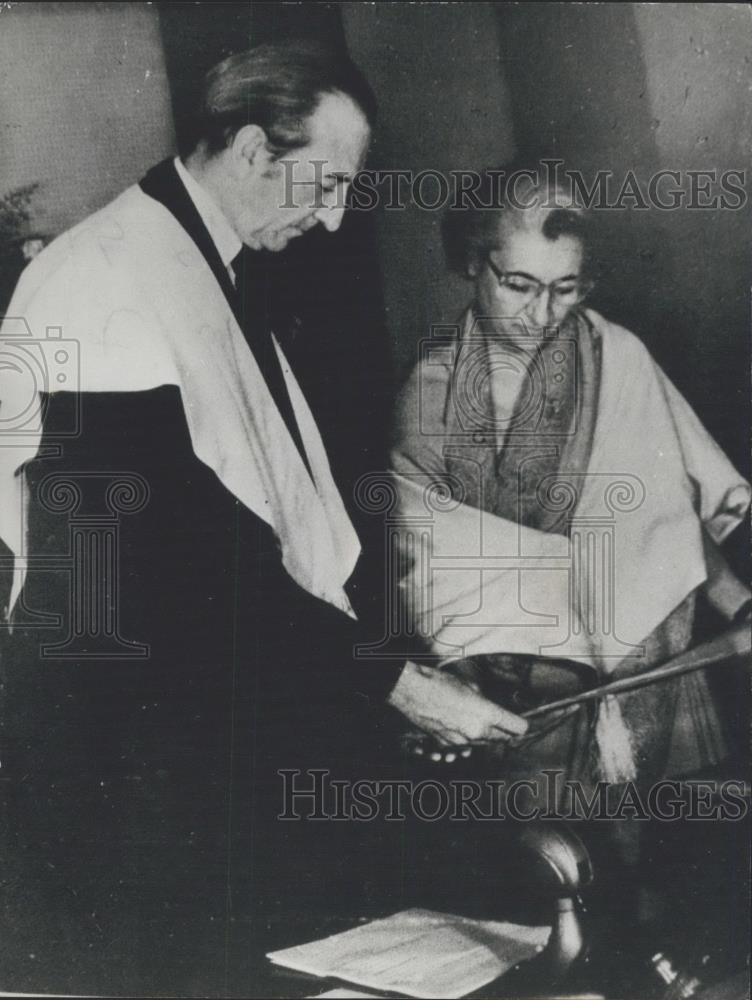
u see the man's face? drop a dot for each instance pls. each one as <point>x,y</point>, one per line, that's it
<point>277,200</point>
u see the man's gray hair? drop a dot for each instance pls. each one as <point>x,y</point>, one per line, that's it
<point>277,87</point>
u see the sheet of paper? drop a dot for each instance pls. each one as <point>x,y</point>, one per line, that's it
<point>341,994</point>
<point>420,953</point>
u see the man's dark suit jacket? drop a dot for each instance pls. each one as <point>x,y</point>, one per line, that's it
<point>142,793</point>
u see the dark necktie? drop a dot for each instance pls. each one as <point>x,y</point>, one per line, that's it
<point>254,299</point>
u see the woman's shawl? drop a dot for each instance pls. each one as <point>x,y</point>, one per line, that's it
<point>124,302</point>
<point>621,543</point>
<point>552,498</point>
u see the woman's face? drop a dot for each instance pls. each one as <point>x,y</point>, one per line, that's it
<point>529,277</point>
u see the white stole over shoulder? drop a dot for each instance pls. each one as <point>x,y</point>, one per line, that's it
<point>130,301</point>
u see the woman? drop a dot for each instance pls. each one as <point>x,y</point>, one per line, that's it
<point>562,507</point>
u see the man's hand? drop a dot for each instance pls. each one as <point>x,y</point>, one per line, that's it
<point>450,710</point>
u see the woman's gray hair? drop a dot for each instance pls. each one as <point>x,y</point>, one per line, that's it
<point>511,199</point>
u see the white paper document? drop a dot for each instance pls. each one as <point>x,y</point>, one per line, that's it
<point>419,953</point>
<point>340,994</point>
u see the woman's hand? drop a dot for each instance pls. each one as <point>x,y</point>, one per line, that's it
<point>451,710</point>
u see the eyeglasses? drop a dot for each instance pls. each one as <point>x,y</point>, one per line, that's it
<point>522,289</point>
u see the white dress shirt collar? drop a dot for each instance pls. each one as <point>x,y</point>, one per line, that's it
<point>223,235</point>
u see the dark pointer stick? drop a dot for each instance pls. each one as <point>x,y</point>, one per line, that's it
<point>737,641</point>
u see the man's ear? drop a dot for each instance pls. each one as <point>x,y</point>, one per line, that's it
<point>249,150</point>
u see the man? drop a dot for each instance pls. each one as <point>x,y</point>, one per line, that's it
<point>182,625</point>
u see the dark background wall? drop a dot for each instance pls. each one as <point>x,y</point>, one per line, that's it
<point>94,93</point>
<point>653,87</point>
<point>444,105</point>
